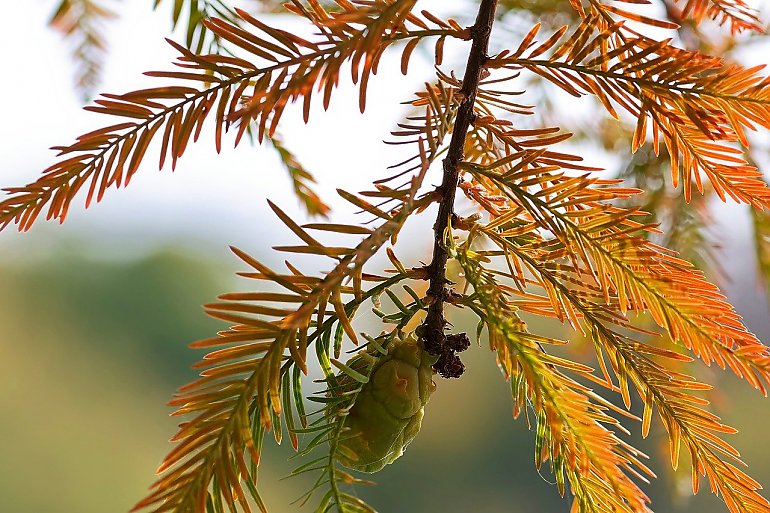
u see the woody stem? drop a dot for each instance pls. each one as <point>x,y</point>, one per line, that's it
<point>433,336</point>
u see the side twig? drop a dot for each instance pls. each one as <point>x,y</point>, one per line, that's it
<point>432,333</point>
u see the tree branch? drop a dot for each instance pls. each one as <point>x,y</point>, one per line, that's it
<point>434,340</point>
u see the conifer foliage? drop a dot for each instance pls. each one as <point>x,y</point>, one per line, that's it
<point>552,237</point>
<point>83,22</point>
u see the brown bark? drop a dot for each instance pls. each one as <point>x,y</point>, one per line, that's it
<point>434,339</point>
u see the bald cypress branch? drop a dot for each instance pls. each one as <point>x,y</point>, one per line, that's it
<point>434,339</point>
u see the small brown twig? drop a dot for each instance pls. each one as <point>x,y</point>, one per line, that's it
<point>434,340</point>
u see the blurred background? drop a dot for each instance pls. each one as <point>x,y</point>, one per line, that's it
<point>96,313</point>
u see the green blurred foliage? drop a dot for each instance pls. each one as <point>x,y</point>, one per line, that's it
<point>147,309</point>
<point>92,349</point>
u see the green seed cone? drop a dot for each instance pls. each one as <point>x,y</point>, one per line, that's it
<point>388,411</point>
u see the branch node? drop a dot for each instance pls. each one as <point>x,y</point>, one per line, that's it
<point>464,223</point>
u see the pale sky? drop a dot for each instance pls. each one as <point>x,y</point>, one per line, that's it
<point>213,199</point>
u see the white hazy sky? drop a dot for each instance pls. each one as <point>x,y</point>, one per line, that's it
<point>211,200</point>
<point>214,199</point>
